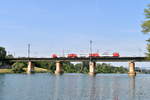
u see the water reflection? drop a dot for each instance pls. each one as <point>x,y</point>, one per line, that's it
<point>132,88</point>
<point>74,87</point>
<point>115,88</point>
<point>56,88</point>
<point>92,88</point>
<point>2,84</point>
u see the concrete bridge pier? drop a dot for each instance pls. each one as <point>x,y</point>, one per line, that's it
<point>30,68</point>
<point>132,69</point>
<point>58,68</point>
<point>92,66</point>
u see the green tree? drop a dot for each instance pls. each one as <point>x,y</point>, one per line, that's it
<point>146,28</point>
<point>10,56</point>
<point>148,49</point>
<point>18,67</point>
<point>108,68</point>
<point>146,24</point>
<point>9,62</point>
<point>2,54</point>
<point>85,67</point>
<point>46,65</point>
<point>79,67</point>
<point>68,67</point>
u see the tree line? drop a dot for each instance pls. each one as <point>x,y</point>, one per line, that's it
<point>82,67</point>
<point>70,67</point>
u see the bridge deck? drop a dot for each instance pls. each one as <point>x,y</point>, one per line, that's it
<point>80,59</point>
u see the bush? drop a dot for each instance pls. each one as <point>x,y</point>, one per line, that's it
<point>18,67</point>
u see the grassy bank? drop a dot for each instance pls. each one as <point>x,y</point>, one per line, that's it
<point>37,70</point>
<point>4,71</point>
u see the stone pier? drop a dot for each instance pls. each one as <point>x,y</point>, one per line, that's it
<point>132,69</point>
<point>58,68</point>
<point>92,66</point>
<point>30,68</point>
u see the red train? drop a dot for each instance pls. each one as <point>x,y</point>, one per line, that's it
<point>54,56</point>
<point>94,55</point>
<point>115,54</point>
<point>72,55</point>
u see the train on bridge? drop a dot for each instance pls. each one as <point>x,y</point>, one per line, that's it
<point>73,55</point>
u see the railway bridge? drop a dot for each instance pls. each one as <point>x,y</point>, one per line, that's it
<point>92,62</point>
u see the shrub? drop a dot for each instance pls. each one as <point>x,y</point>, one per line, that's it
<point>18,67</point>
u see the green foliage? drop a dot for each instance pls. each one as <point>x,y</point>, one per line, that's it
<point>146,24</point>
<point>9,56</point>
<point>148,49</point>
<point>2,52</point>
<point>75,68</point>
<point>85,67</point>
<point>52,66</point>
<point>107,68</point>
<point>9,62</point>
<point>46,65</point>
<point>147,12</point>
<point>2,55</point>
<point>18,67</point>
<point>68,67</point>
<point>80,67</point>
<point>146,28</point>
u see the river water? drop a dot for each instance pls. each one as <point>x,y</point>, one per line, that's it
<point>46,86</point>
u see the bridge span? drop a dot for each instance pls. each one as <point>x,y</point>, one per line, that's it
<point>81,59</point>
<point>92,62</point>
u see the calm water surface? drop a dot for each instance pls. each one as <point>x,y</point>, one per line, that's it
<point>74,87</point>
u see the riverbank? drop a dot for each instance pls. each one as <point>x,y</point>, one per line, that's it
<point>36,70</point>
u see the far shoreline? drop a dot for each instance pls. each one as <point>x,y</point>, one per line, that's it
<point>9,70</point>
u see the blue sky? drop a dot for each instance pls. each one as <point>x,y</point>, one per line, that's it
<point>51,26</point>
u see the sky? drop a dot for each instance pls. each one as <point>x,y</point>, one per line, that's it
<point>57,26</point>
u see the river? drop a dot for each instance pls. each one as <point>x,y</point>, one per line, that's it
<point>46,86</point>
